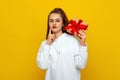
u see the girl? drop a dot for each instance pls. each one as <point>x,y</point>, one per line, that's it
<point>62,54</point>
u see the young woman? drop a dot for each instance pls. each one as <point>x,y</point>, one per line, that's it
<point>62,54</point>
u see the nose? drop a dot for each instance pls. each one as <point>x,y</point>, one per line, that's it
<point>54,23</point>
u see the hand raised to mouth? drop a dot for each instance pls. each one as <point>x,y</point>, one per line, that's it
<point>51,37</point>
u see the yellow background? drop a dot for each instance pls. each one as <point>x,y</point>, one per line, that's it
<point>23,28</point>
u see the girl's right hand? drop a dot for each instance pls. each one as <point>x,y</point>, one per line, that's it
<point>51,37</point>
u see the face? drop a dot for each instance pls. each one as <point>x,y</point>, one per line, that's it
<point>55,22</point>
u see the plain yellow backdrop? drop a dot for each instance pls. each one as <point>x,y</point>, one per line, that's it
<point>23,25</point>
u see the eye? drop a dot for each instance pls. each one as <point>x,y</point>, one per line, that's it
<point>50,20</point>
<point>57,20</point>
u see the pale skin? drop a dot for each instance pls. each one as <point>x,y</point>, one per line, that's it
<point>56,20</point>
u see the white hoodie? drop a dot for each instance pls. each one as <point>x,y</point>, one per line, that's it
<point>63,59</point>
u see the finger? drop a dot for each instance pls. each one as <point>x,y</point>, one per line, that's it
<point>79,36</point>
<point>69,30</point>
<point>50,31</point>
<point>82,32</point>
<point>82,35</point>
<point>75,34</point>
<point>53,38</point>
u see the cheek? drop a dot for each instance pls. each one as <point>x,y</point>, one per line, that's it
<point>60,24</point>
<point>50,25</point>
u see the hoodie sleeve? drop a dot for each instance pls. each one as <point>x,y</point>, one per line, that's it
<point>80,56</point>
<point>43,55</point>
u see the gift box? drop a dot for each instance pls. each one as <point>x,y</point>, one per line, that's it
<point>75,26</point>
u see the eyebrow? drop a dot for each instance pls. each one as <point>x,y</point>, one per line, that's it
<point>55,19</point>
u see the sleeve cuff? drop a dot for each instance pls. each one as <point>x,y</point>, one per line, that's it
<point>45,46</point>
<point>83,48</point>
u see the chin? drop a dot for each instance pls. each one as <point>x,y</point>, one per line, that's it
<point>54,31</point>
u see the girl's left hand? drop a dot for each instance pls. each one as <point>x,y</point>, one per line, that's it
<point>81,37</point>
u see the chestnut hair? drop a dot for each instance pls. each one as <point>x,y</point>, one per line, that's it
<point>64,19</point>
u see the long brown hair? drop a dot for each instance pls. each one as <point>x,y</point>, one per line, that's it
<point>64,18</point>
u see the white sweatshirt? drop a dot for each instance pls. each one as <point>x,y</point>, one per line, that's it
<point>63,59</point>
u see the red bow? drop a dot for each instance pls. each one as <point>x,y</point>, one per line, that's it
<point>76,26</point>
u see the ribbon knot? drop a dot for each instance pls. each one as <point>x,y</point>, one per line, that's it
<point>75,26</point>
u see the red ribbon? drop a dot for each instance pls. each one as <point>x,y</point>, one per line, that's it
<point>76,26</point>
